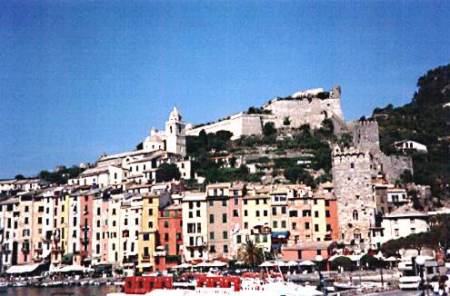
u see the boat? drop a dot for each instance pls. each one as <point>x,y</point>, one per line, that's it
<point>213,285</point>
<point>410,278</point>
<point>340,286</point>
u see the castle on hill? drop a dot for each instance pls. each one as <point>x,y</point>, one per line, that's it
<point>303,107</point>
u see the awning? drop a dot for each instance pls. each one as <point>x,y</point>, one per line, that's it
<point>211,264</point>
<point>280,234</point>
<point>72,268</point>
<point>267,264</point>
<point>144,265</point>
<point>21,269</point>
<point>183,265</point>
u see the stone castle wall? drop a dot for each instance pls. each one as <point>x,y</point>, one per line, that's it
<point>304,110</point>
<point>240,124</point>
<point>351,169</point>
<point>366,138</point>
<point>365,134</point>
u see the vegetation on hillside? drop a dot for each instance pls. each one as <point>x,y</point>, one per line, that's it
<point>61,176</point>
<point>426,121</point>
<point>316,143</point>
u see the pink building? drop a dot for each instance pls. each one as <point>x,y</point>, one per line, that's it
<point>86,219</point>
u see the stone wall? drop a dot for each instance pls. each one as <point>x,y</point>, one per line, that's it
<point>303,111</point>
<point>365,134</point>
<point>309,109</point>
<point>351,169</point>
<point>366,138</point>
<point>240,124</point>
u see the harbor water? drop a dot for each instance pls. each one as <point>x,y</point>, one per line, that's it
<point>61,291</point>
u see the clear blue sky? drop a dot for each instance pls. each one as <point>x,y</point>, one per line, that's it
<point>81,78</point>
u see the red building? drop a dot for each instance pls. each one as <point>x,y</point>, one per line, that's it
<point>169,237</point>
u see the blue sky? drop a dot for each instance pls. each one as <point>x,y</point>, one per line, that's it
<point>79,78</point>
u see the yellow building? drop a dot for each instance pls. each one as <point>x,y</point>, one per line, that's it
<point>147,234</point>
<point>255,218</point>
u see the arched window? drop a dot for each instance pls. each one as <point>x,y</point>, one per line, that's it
<point>355,215</point>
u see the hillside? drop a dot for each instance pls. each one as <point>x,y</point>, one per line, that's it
<point>425,120</point>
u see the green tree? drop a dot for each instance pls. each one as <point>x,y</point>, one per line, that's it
<point>342,262</point>
<point>167,172</point>
<point>251,254</point>
<point>269,129</point>
<point>19,177</point>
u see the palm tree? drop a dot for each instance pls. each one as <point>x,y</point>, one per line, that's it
<point>251,254</point>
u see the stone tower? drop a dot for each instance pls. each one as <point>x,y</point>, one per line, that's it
<point>352,177</point>
<point>365,135</point>
<point>175,134</point>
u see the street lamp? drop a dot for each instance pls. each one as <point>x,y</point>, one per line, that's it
<point>319,260</point>
<point>420,262</point>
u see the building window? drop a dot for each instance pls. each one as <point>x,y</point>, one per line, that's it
<point>355,215</point>
<point>211,218</point>
<point>327,213</point>
<point>225,248</point>
<point>224,218</point>
<point>211,235</point>
<point>306,225</point>
<point>316,227</point>
<point>225,235</point>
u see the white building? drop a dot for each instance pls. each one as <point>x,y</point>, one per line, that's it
<point>194,226</point>
<point>173,139</point>
<point>129,227</point>
<point>102,176</point>
<point>411,146</point>
<point>401,222</point>
<point>396,195</point>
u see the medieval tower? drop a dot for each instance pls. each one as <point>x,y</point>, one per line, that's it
<point>353,189</point>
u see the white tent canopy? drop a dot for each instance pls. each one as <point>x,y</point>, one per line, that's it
<point>183,265</point>
<point>20,269</point>
<point>211,264</point>
<point>71,268</point>
<point>307,263</point>
<point>292,263</point>
<point>391,259</point>
<point>267,264</point>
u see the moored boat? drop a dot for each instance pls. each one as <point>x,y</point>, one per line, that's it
<point>212,285</point>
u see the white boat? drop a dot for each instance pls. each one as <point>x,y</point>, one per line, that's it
<point>345,286</point>
<point>409,282</point>
<point>223,286</point>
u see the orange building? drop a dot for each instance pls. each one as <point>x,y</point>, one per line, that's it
<point>169,237</point>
